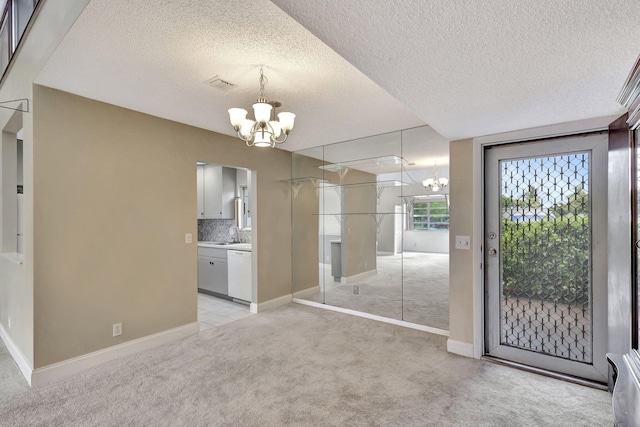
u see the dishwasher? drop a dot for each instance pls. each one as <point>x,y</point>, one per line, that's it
<point>239,268</point>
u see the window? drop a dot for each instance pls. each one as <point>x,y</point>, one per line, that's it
<point>23,11</point>
<point>431,215</point>
<point>13,23</point>
<point>5,38</point>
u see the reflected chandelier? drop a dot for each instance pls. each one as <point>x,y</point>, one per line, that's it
<point>265,130</point>
<point>435,183</point>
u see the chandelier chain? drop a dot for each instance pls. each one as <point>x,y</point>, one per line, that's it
<point>263,82</point>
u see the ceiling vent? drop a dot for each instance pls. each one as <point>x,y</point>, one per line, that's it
<point>220,84</point>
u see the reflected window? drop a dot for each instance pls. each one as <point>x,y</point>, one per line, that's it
<point>431,215</point>
<point>23,11</point>
<point>14,21</point>
<point>5,39</point>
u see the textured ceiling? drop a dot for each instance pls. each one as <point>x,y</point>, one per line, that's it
<point>153,56</point>
<point>467,68</point>
<point>471,68</point>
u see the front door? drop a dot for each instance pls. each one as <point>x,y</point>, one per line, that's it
<point>545,254</point>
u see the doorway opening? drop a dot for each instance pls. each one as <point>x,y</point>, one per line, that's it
<point>12,190</point>
<point>226,254</point>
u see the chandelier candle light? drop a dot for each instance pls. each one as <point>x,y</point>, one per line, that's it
<point>265,130</point>
<point>435,183</point>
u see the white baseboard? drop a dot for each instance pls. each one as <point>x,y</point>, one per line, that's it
<point>268,305</point>
<point>77,364</point>
<point>307,293</point>
<point>17,355</point>
<point>359,276</point>
<point>461,348</point>
<point>402,323</point>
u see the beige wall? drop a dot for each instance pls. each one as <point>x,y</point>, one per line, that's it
<point>54,19</point>
<point>359,233</point>
<point>114,195</point>
<point>461,224</point>
<point>305,224</point>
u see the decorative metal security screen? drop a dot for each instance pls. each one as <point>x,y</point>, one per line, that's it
<point>545,269</point>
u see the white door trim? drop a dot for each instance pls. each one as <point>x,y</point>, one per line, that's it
<point>479,143</point>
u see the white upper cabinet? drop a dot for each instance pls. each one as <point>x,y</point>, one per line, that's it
<point>216,191</point>
<point>212,191</point>
<point>228,193</point>
<point>200,190</point>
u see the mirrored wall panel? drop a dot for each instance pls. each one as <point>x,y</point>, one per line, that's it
<point>367,279</point>
<point>370,226</point>
<point>425,236</point>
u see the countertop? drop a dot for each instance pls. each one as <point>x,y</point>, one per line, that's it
<point>232,246</point>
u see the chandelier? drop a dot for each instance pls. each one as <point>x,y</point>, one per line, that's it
<point>266,130</point>
<point>435,183</point>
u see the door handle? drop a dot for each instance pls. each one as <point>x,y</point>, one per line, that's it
<point>493,251</point>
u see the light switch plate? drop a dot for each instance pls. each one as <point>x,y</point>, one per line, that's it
<point>188,238</point>
<point>463,242</point>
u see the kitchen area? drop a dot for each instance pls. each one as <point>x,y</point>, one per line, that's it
<point>225,251</point>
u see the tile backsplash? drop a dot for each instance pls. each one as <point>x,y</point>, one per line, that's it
<point>217,230</point>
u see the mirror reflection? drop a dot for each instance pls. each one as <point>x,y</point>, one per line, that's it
<point>371,234</point>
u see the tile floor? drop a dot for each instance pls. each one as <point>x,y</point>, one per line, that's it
<point>214,311</point>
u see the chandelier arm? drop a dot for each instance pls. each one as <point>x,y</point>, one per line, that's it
<point>257,127</point>
<point>243,138</point>
<point>280,141</point>
<point>272,138</point>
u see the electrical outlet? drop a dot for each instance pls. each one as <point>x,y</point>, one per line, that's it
<point>188,238</point>
<point>117,329</point>
<point>356,290</point>
<point>9,321</point>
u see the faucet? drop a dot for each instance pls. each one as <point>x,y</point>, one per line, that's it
<point>235,230</point>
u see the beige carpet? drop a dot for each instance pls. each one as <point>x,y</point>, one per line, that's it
<point>11,380</point>
<point>412,286</point>
<point>303,366</point>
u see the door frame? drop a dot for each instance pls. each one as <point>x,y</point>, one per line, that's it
<point>596,143</point>
<point>458,344</point>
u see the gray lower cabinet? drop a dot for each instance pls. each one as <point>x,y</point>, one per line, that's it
<point>212,272</point>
